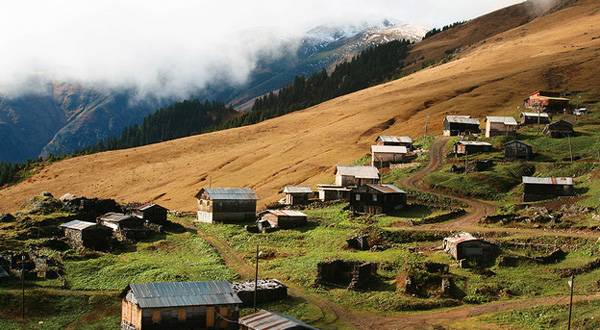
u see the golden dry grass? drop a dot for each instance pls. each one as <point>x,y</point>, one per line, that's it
<point>557,51</point>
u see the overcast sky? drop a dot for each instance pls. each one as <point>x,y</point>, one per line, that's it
<point>176,46</point>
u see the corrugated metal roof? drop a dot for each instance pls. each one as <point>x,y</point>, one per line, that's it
<point>176,294</point>
<point>78,224</point>
<point>474,143</point>
<point>518,141</point>
<point>297,190</point>
<point>265,320</point>
<point>394,139</point>
<point>548,180</point>
<point>462,237</point>
<point>499,119</point>
<point>115,217</point>
<point>462,120</point>
<point>389,149</point>
<point>534,114</point>
<point>146,206</point>
<point>3,273</point>
<point>387,188</point>
<point>361,172</point>
<point>229,193</point>
<point>555,98</point>
<point>289,213</point>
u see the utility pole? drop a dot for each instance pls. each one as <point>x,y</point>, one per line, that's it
<point>571,284</point>
<point>539,114</point>
<point>256,279</point>
<point>570,148</point>
<point>23,285</point>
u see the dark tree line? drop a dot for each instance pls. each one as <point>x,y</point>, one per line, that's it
<point>435,31</point>
<point>371,67</point>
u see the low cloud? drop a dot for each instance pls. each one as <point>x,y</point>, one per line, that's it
<point>174,48</point>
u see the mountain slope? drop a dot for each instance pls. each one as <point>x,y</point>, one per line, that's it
<point>557,51</point>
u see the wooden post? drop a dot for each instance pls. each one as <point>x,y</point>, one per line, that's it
<point>426,119</point>
<point>256,279</point>
<point>570,148</point>
<point>466,161</point>
<point>572,284</point>
<point>23,285</point>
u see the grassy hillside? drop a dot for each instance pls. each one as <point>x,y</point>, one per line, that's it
<point>557,51</point>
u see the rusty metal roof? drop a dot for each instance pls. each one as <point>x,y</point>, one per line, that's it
<point>78,224</point>
<point>394,139</point>
<point>115,217</point>
<point>266,320</point>
<point>534,114</point>
<point>389,149</point>
<point>178,294</point>
<point>499,119</point>
<point>387,188</point>
<point>360,172</point>
<point>285,213</point>
<point>462,120</point>
<point>549,180</point>
<point>297,190</point>
<point>229,193</point>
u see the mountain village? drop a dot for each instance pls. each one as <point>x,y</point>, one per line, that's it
<point>489,222</point>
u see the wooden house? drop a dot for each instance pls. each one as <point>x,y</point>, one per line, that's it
<point>329,192</point>
<point>388,140</point>
<point>497,125</point>
<point>377,198</point>
<point>558,129</point>
<point>465,246</point>
<point>179,305</point>
<point>349,176</point>
<point>284,219</point>
<point>537,189</point>
<point>87,234</point>
<point>548,101</point>
<point>517,150</point>
<point>151,212</point>
<point>460,125</point>
<point>265,320</point>
<point>297,195</point>
<point>226,205</point>
<point>471,147</point>
<point>125,227</point>
<point>533,118</point>
<point>382,156</point>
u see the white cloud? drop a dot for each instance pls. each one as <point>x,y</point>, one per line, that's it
<point>176,46</point>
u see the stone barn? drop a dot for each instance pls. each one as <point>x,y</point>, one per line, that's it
<point>265,320</point>
<point>284,219</point>
<point>377,198</point>
<point>349,176</point>
<point>531,118</point>
<point>471,147</point>
<point>558,129</point>
<point>461,125</point>
<point>297,195</point>
<point>517,150</point>
<point>548,101</point>
<point>87,234</point>
<point>496,125</point>
<point>151,212</point>
<point>125,227</point>
<point>537,189</point>
<point>349,274</point>
<point>465,246</point>
<point>388,140</point>
<point>179,305</point>
<point>226,205</point>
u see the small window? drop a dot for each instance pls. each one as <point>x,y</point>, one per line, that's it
<point>357,197</point>
<point>374,198</point>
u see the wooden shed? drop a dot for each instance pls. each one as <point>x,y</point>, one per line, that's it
<point>530,118</point>
<point>329,192</point>
<point>537,189</point>
<point>471,147</point>
<point>383,156</point>
<point>87,234</point>
<point>548,101</point>
<point>377,198</point>
<point>558,129</point>
<point>265,320</point>
<point>352,176</point>
<point>179,305</point>
<point>497,125</point>
<point>125,227</point>
<point>517,150</point>
<point>390,140</point>
<point>284,219</point>
<point>297,195</point>
<point>461,125</point>
<point>466,246</point>
<point>226,205</point>
<point>151,212</point>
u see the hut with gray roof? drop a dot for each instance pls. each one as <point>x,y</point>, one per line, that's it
<point>284,219</point>
<point>349,176</point>
<point>531,118</point>
<point>471,147</point>
<point>392,140</point>
<point>297,195</point>
<point>537,189</point>
<point>465,246</point>
<point>226,205</point>
<point>83,234</point>
<point>460,125</point>
<point>266,320</point>
<point>497,125</point>
<point>384,155</point>
<point>377,198</point>
<point>179,305</point>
